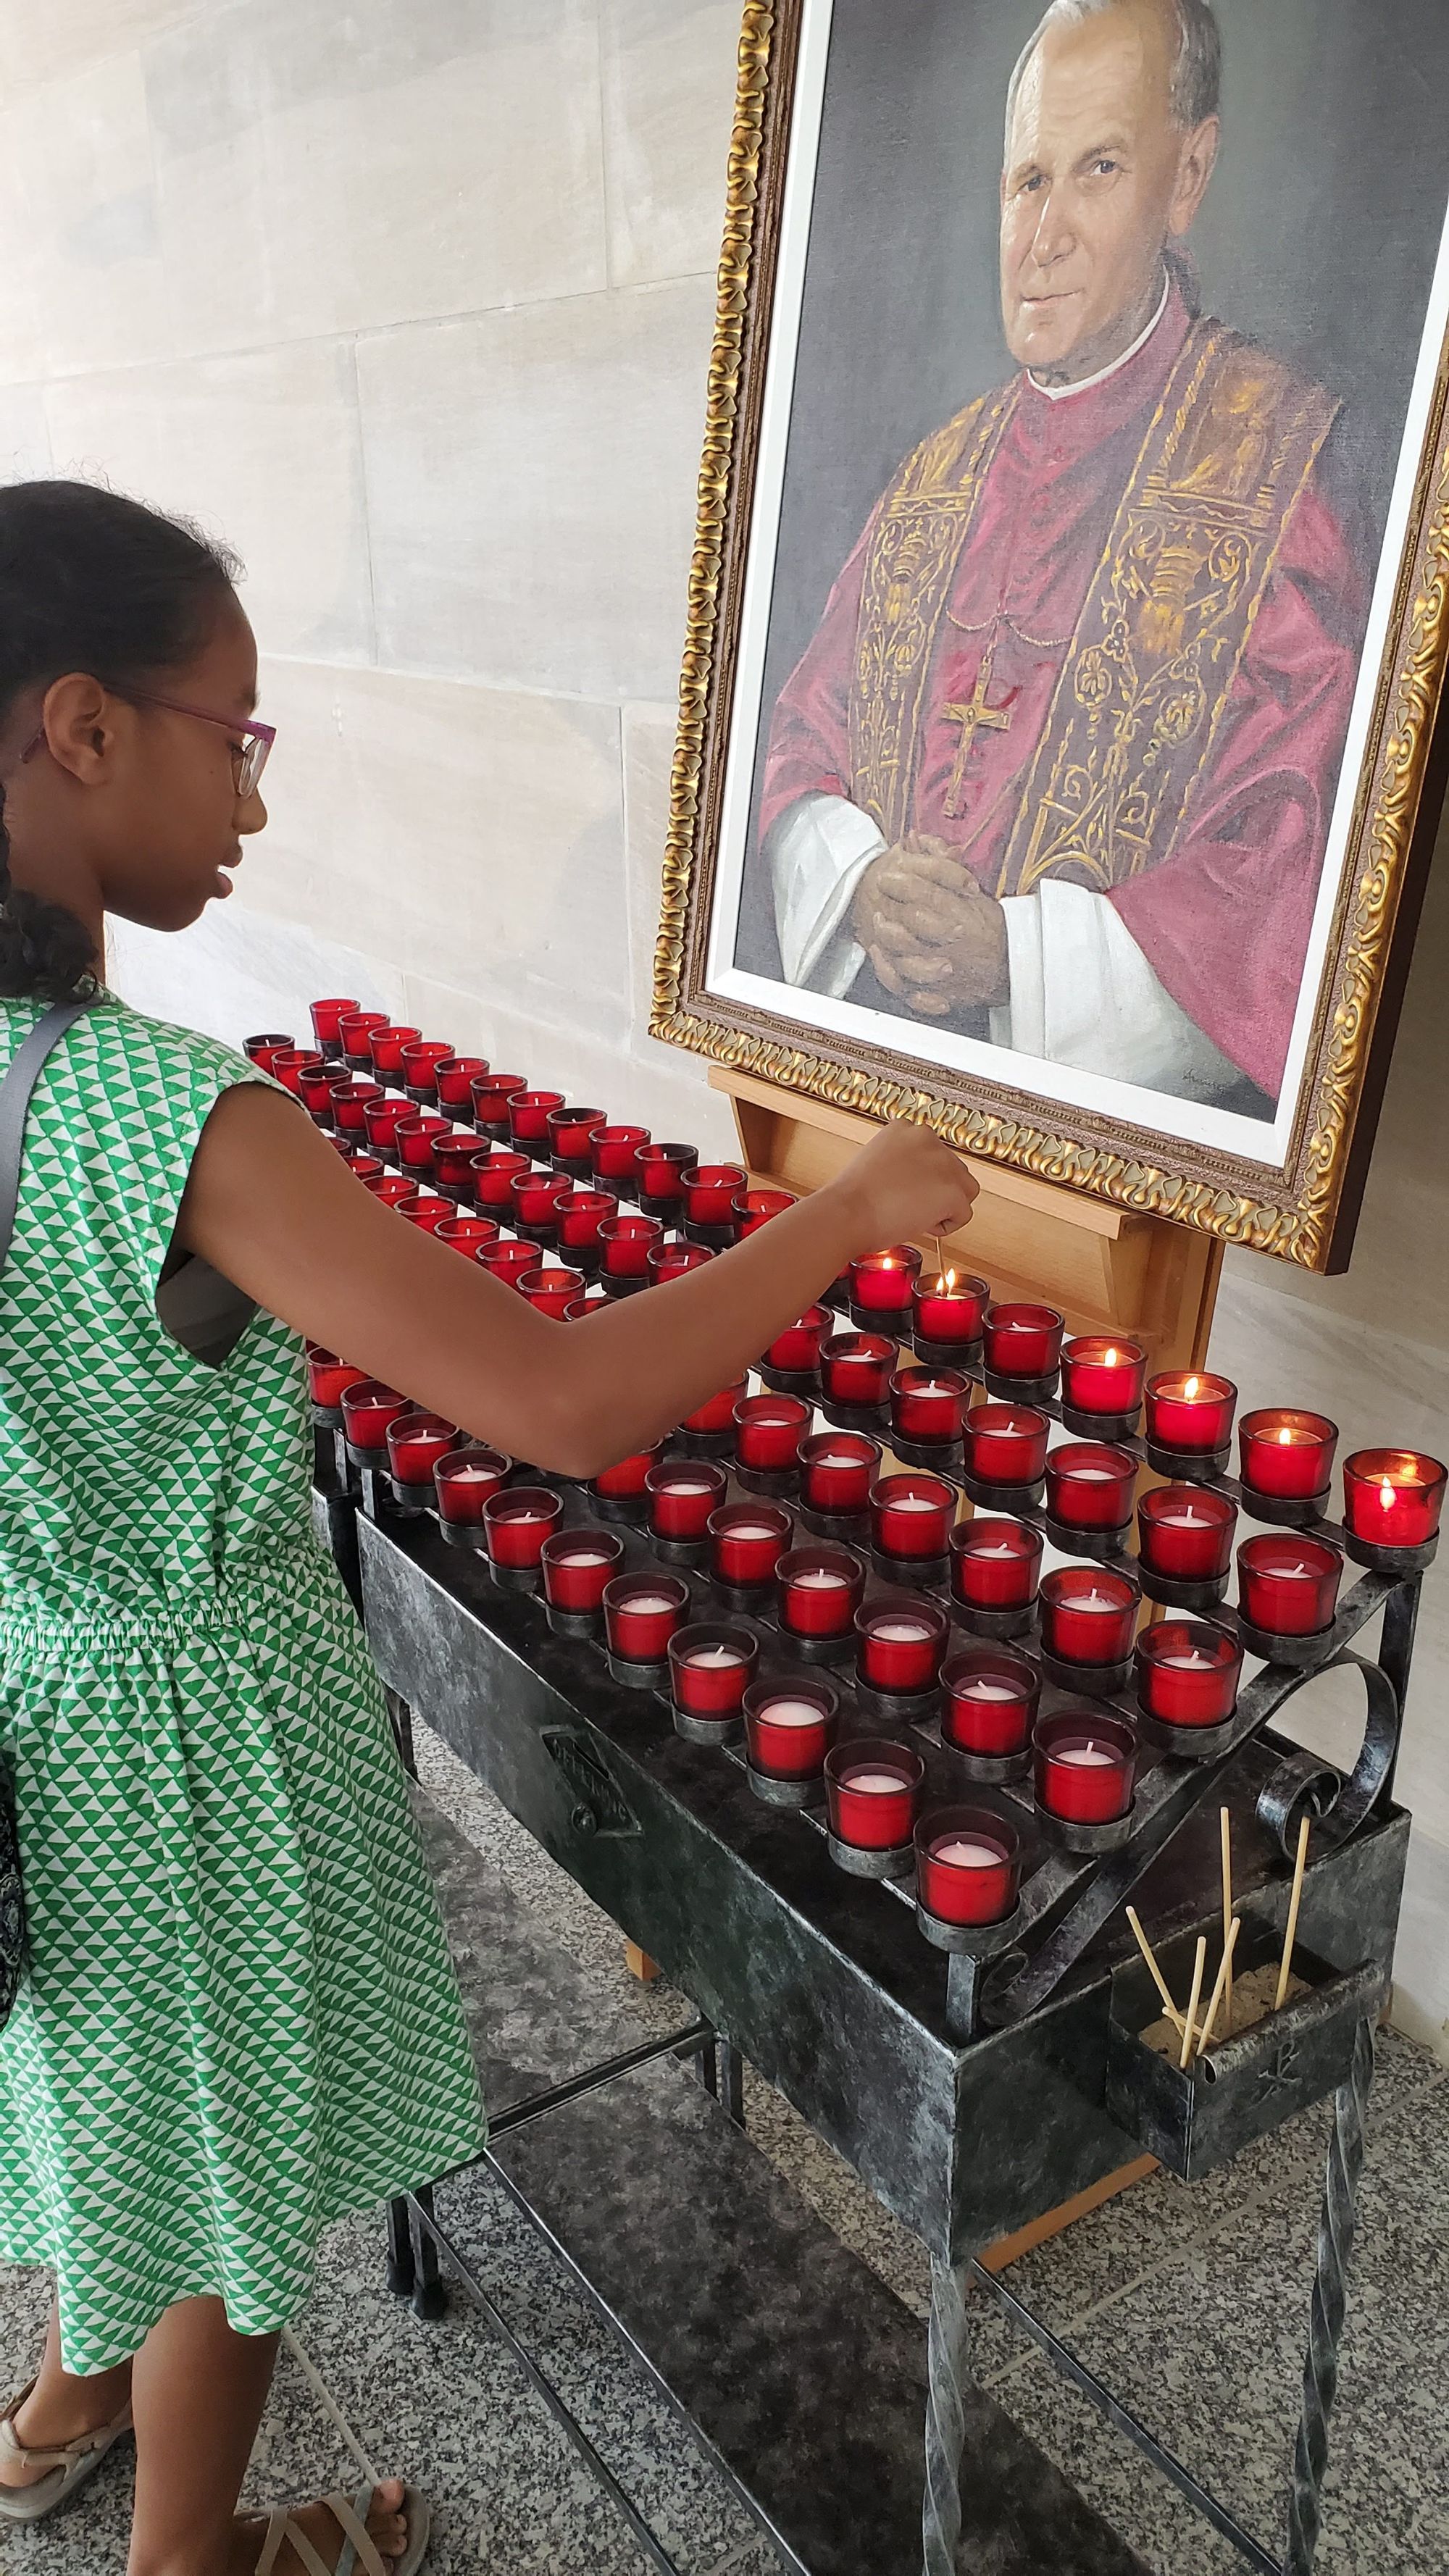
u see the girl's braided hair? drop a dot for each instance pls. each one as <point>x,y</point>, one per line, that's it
<point>89,581</point>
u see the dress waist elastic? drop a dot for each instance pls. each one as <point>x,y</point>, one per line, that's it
<point>294,1569</point>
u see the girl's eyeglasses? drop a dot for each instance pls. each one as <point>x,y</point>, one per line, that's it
<point>248,757</point>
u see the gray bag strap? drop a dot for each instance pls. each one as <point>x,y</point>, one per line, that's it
<point>19,1081</point>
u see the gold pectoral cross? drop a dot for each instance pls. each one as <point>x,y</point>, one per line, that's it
<point>975,718</point>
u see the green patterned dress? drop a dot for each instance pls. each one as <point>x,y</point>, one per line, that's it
<point>239,2019</point>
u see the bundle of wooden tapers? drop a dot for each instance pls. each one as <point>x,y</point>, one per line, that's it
<point>1239,2004</point>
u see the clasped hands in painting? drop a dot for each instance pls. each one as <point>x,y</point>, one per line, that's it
<point>932,935</point>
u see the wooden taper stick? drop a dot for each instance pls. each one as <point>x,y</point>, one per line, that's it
<point>1294,1902</point>
<point>1193,2000</point>
<point>1153,1970</point>
<point>1224,1984</point>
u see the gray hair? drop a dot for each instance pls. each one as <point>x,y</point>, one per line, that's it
<point>1197,79</point>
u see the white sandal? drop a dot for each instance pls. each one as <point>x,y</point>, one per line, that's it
<point>360,2553</point>
<point>68,2464</point>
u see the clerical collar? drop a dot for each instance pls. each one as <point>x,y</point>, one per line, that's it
<point>1064,393</point>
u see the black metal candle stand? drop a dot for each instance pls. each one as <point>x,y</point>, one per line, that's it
<point>872,1420</point>
<point>993,1627</point>
<point>614,1288</point>
<point>963,1356</point>
<point>516,1578</point>
<point>850,1529</point>
<point>585,1627</point>
<point>909,1573</point>
<point>893,1322</point>
<point>772,1484</point>
<point>683,1553</point>
<point>634,1675</point>
<point>1294,1654</point>
<point>718,1445</point>
<point>411,1500</point>
<point>578,1168</point>
<point>931,1457</point>
<point>1187,1466</point>
<point>1037,1393</point>
<point>1113,1428</point>
<point>858,1861</point>
<point>989,1770</point>
<point>897,1708</point>
<point>775,1792</point>
<point>1102,1546</point>
<point>1086,1681</point>
<point>716,1731</point>
<point>467,1535</point>
<point>804,1383</point>
<point>1088,1842</point>
<point>1023,1502</point>
<point>819,1650</point>
<point>713,1238</point>
<point>1171,1593</point>
<point>1282,1511</point>
<point>1387,1560</point>
<point>1187,1743</point>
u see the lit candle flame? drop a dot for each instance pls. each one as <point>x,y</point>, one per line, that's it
<point>1189,1392</point>
<point>1109,1358</point>
<point>1388,1493</point>
<point>948,1282</point>
<point>1285,1439</point>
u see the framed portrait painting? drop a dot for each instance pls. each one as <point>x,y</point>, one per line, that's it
<point>1057,758</point>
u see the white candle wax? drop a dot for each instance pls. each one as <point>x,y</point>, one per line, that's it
<point>902,1632</point>
<point>1090,1475</point>
<point>1092,1600</point>
<point>647,1601</point>
<point>585,1556</point>
<point>715,1658</point>
<point>837,1458</point>
<point>820,1578</point>
<point>1002,1549</point>
<point>791,1712</point>
<point>986,1690</point>
<point>966,1854</point>
<point>912,1503</point>
<point>1196,1662</point>
<point>471,1476</point>
<point>751,1529</point>
<point>1292,1573</point>
<point>687,1485</point>
<point>525,1520</point>
<point>874,1784</point>
<point>1085,1757</point>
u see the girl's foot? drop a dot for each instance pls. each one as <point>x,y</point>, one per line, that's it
<point>386,2529</point>
<point>80,2417</point>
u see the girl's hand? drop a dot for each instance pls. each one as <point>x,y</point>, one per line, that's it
<point>903,1185</point>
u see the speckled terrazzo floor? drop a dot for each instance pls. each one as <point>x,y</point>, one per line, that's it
<point>1192,2304</point>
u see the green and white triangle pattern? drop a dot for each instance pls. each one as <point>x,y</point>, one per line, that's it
<point>240,2019</point>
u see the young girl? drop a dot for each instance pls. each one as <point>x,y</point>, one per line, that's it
<point>238,2019</point>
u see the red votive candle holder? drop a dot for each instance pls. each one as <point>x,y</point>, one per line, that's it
<point>509,1262</point>
<point>420,1061</point>
<point>683,1495</point>
<point>464,1479</point>
<point>393,1188</point>
<point>968,1865</point>
<point>872,1791</point>
<point>316,1090</point>
<point>571,1132</point>
<point>710,1669</point>
<point>625,1241</point>
<point>535,1195</point>
<point>900,1644</point>
<point>1392,1497</point>
<point>454,1154</point>
<point>746,1543</point>
<point>589,1304</point>
<point>528,1115</point>
<point>837,1470</point>
<point>490,1094</point>
<point>710,1192</point>
<point>1006,1444</point>
<point>883,1283</point>
<point>797,1350</point>
<point>387,1047</point>
<point>381,1118</point>
<point>990,1702</point>
<point>1085,1766</point>
<point>614,1151</point>
<point>948,1307</point>
<point>995,1564</point>
<point>1287,1454</point>
<point>717,1413</point>
<point>659,1172</point>
<point>1185,1532</point>
<point>347,1106</point>
<point>416,1440</point>
<point>1100,1376</point>
<point>355,1030</point>
<point>768,1432</point>
<point>516,1522</point>
<point>344,1146</point>
<point>427,1210</point>
<point>754,1208</point>
<point>1089,1486</point>
<point>1187,1673</point>
<point>641,1613</point>
<point>494,1174</point>
<point>288,1064</point>
<point>327,1018</point>
<point>820,1591</point>
<point>580,1214</point>
<point>367,1409</point>
<point>327,1376</point>
<point>455,1076</point>
<point>550,1290</point>
<point>855,1368</point>
<point>625,1481</point>
<point>1022,1341</point>
<point>1088,1613</point>
<point>578,1566</point>
<point>789,1727</point>
<point>1288,1586</point>
<point>911,1516</point>
<point>929,1404</point>
<point>673,1259</point>
<point>363,1167</point>
<point>414,1136</point>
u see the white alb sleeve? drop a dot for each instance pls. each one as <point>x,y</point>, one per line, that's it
<point>1083,993</point>
<point>817,851</point>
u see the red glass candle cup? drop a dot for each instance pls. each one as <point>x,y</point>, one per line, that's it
<point>625,1481</point>
<point>710,1669</point>
<point>949,1308</point>
<point>989,1702</point>
<point>454,1154</point>
<point>327,1376</point>
<point>528,1115</point>
<point>624,1242</point>
<point>413,1138</point>
<point>717,1413</point>
<point>710,1192</point>
<point>1088,1613</point>
<point>316,1090</point>
<point>455,1076</point>
<point>768,1432</point>
<point>641,1613</point>
<point>1089,1486</point>
<point>367,1408</point>
<point>355,1030</point>
<point>789,1727</point>
<point>1185,1532</point>
<point>1100,1376</point>
<point>1086,1765</point>
<point>363,1167</point>
<point>571,1132</point>
<point>419,1063</point>
<point>464,1479</point>
<point>288,1064</point>
<point>1022,1341</point>
<point>381,1118</point>
<point>968,1865</point>
<point>344,1146</point>
<point>673,1259</point>
<point>855,1368</point>
<point>550,1289</point>
<point>427,1210</point>
<point>535,1195</point>
<point>754,1208</point>
<point>911,1516</point>
<point>580,1214</point>
<point>347,1106</point>
<point>872,1791</point>
<point>746,1543</point>
<point>387,1047</point>
<point>494,1174</point>
<point>683,1494</point>
<point>1287,1454</point>
<point>416,1440</point>
<point>1006,1444</point>
<point>578,1565</point>
<point>517,1520</point>
<point>1392,1497</point>
<point>796,1351</point>
<point>393,1188</point>
<point>1187,1673</point>
<point>589,1304</point>
<point>837,1470</point>
<point>613,1151</point>
<point>509,1262</point>
<point>1288,1586</point>
<point>490,1094</point>
<point>883,1283</point>
<point>900,1644</point>
<point>820,1590</point>
<point>659,1173</point>
<point>995,1564</point>
<point>929,1404</point>
<point>326,1020</point>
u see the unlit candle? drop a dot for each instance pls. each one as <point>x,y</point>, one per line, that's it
<point>1084,1757</point>
<point>713,1658</point>
<point>967,1855</point>
<point>792,1712</point>
<point>875,1783</point>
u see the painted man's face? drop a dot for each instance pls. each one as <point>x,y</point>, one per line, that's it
<point>1098,178</point>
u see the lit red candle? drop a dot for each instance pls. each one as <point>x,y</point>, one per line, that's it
<point>755,1208</point>
<point>911,1515</point>
<point>1392,1497</point>
<point>949,1307</point>
<point>683,1493</point>
<point>528,1115</point>
<point>416,1440</point>
<point>535,1195</point>
<point>872,1792</point>
<point>789,1727</point>
<point>367,1408</point>
<point>328,1376</point>
<point>1085,1766</point>
<point>551,1290</point>
<point>625,1481</point>
<point>355,1030</point>
<point>855,1368</point>
<point>717,1414</point>
<point>516,1521</point>
<point>883,1283</point>
<point>508,1262</point>
<point>659,1173</point>
<point>1088,1613</point>
<point>613,1151</point>
<point>571,1133</point>
<point>796,1352</point>
<point>929,1404</point>
<point>577,1567</point>
<point>381,1118</point>
<point>1022,1341</point>
<point>1185,1533</point>
<point>427,1210</point>
<point>820,1590</point>
<point>768,1432</point>
<point>1287,1454</point>
<point>710,1669</point>
<point>455,1076</point>
<point>968,1865</point>
<point>419,1062</point>
<point>413,1138</point>
<point>746,1543</point>
<point>1101,1376</point>
<point>494,1174</point>
<point>674,1259</point>
<point>464,1479</point>
<point>624,1243</point>
<point>490,1094</point>
<point>580,1214</point>
<point>837,1470</point>
<point>1288,1586</point>
<point>989,1702</point>
<point>387,1047</point>
<point>899,1644</point>
<point>641,1614</point>
<point>1006,1444</point>
<point>1187,1673</point>
<point>995,1564</point>
<point>710,1192</point>
<point>326,1020</point>
<point>1089,1486</point>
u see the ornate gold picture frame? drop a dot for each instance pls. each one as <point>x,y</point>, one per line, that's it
<point>1282,1173</point>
